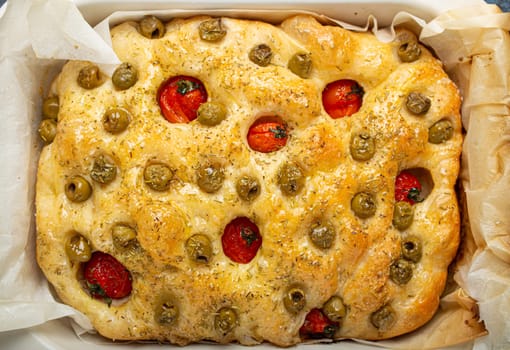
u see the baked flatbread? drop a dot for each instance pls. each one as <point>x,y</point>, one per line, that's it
<point>234,238</point>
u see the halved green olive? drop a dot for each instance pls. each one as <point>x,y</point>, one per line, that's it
<point>225,320</point>
<point>210,177</point>
<point>401,271</point>
<point>441,131</point>
<point>166,312</point>
<point>322,234</point>
<point>301,65</point>
<point>116,120</point>
<point>294,299</point>
<point>411,248</point>
<point>48,130</point>
<point>210,113</point>
<point>403,214</point>
<point>334,309</point>
<point>50,108</point>
<point>409,52</point>
<point>261,55</point>
<point>362,146</point>
<point>417,103</point>
<point>290,179</point>
<point>151,27</point>
<point>248,188</point>
<point>125,76</point>
<point>90,77</point>
<point>78,189</point>
<point>384,318</point>
<point>199,248</point>
<point>212,30</point>
<point>158,176</point>
<point>78,248</point>
<point>363,205</point>
<point>123,236</point>
<point>103,170</point>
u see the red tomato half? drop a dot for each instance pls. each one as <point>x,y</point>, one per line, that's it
<point>267,134</point>
<point>179,98</point>
<point>106,277</point>
<point>407,188</point>
<point>342,98</point>
<point>318,325</point>
<point>241,240</point>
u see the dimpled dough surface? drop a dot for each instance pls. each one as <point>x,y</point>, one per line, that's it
<point>355,267</point>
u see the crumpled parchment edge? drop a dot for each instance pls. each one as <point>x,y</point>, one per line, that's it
<point>486,19</point>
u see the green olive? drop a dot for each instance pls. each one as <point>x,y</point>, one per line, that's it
<point>103,170</point>
<point>125,76</point>
<point>212,30</point>
<point>166,311</point>
<point>417,103</point>
<point>334,309</point>
<point>210,177</point>
<point>441,131</point>
<point>123,236</point>
<point>261,55</point>
<point>322,234</point>
<point>151,27</point>
<point>78,248</point>
<point>50,108</point>
<point>301,65</point>
<point>248,188</point>
<point>411,248</point>
<point>363,205</point>
<point>409,50</point>
<point>384,318</point>
<point>403,214</point>
<point>90,77</point>
<point>78,189</point>
<point>291,179</point>
<point>158,176</point>
<point>294,299</point>
<point>48,130</point>
<point>362,146</point>
<point>199,248</point>
<point>225,320</point>
<point>401,271</point>
<point>211,114</point>
<point>116,120</point>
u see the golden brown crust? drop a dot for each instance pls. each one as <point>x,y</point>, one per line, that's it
<point>356,267</point>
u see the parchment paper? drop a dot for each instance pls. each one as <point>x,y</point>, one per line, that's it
<point>481,67</point>
<point>474,44</point>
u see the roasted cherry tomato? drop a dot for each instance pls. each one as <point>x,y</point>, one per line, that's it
<point>342,98</point>
<point>241,240</point>
<point>317,325</point>
<point>179,98</point>
<point>268,134</point>
<point>106,278</point>
<point>407,188</point>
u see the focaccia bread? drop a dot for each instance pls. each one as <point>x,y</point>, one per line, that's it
<point>234,180</point>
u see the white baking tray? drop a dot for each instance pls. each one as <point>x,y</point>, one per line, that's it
<point>352,11</point>
<point>56,335</point>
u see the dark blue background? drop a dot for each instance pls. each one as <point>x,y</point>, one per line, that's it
<point>504,4</point>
